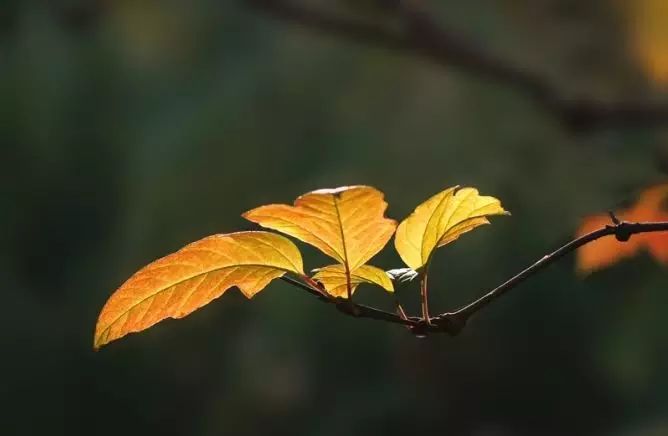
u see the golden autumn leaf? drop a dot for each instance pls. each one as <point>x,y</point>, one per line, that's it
<point>347,223</point>
<point>184,281</point>
<point>334,279</point>
<point>607,251</point>
<point>440,220</point>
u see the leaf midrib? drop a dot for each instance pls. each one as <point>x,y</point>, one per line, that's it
<point>346,261</point>
<point>166,288</point>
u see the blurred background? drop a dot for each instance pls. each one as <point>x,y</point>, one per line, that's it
<point>129,128</point>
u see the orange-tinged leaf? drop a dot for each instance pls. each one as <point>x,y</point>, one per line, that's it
<point>334,280</point>
<point>658,245</point>
<point>652,205</point>
<point>607,251</point>
<point>440,220</point>
<point>182,282</point>
<point>347,223</point>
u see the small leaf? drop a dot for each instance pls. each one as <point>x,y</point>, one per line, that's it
<point>182,282</point>
<point>440,220</point>
<point>333,278</point>
<point>347,223</point>
<point>607,251</point>
<point>403,274</point>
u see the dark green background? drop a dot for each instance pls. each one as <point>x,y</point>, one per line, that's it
<point>130,128</point>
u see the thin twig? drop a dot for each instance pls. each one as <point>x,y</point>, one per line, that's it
<point>622,231</point>
<point>306,287</point>
<point>359,311</point>
<point>453,322</point>
<point>421,36</point>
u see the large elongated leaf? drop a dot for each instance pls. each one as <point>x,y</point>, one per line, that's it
<point>334,279</point>
<point>440,220</point>
<point>180,283</point>
<point>346,223</point>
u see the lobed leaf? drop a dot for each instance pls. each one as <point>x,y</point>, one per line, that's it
<point>347,223</point>
<point>182,282</point>
<point>333,278</point>
<point>440,220</point>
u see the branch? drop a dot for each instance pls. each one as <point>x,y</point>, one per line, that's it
<point>421,36</point>
<point>453,322</point>
<point>621,230</point>
<point>355,310</point>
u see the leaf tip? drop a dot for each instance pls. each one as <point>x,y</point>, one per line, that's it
<point>248,214</point>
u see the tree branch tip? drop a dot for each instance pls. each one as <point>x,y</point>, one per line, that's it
<point>614,218</point>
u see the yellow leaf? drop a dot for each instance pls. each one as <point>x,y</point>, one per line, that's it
<point>182,282</point>
<point>440,220</point>
<point>346,223</point>
<point>334,280</point>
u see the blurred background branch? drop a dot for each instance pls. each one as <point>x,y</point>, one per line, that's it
<point>419,35</point>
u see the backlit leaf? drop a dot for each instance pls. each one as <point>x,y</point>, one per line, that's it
<point>347,223</point>
<point>182,282</point>
<point>607,251</point>
<point>333,278</point>
<point>440,220</point>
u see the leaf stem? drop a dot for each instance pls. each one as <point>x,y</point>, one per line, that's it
<point>424,296</point>
<point>309,285</point>
<point>349,289</point>
<point>399,308</point>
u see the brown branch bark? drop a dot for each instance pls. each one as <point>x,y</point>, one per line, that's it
<point>453,322</point>
<point>421,36</point>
